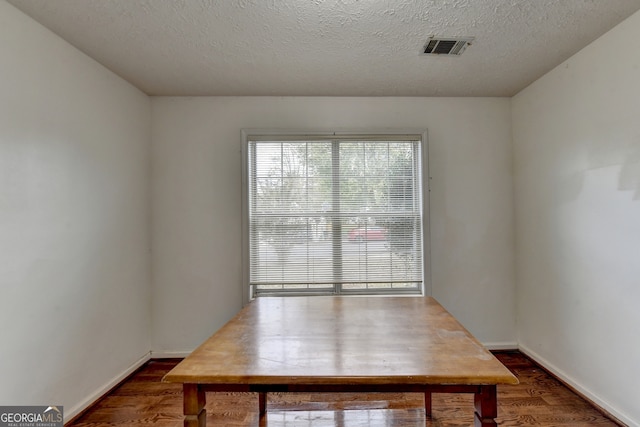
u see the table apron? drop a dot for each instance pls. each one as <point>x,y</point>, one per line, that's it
<point>344,388</point>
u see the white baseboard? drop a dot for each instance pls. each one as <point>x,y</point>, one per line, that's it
<point>507,345</point>
<point>95,396</point>
<point>606,406</point>
<point>170,354</point>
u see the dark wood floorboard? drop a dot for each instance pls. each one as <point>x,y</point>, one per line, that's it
<point>539,400</point>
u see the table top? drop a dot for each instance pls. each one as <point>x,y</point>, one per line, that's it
<point>342,340</point>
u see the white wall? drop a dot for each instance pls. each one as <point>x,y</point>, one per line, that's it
<point>197,203</point>
<point>74,263</point>
<point>577,162</point>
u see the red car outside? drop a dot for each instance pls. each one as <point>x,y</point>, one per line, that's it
<point>361,234</point>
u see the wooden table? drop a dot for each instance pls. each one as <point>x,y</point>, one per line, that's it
<point>341,344</point>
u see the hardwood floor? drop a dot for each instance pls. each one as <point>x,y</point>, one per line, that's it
<point>539,400</point>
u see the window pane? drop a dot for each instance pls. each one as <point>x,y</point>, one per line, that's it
<point>335,216</point>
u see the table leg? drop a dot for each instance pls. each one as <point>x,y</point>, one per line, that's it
<point>486,402</point>
<point>427,403</point>
<point>193,406</point>
<point>262,402</point>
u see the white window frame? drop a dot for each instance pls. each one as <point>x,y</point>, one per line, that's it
<point>248,135</point>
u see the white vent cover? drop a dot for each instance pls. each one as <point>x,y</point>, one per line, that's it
<point>450,46</point>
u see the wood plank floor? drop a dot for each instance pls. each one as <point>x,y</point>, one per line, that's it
<point>539,400</point>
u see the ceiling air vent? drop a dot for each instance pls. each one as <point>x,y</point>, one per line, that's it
<point>447,46</point>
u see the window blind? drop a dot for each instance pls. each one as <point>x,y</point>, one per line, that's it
<point>335,215</point>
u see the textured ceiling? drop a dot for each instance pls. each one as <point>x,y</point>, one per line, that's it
<point>327,47</point>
